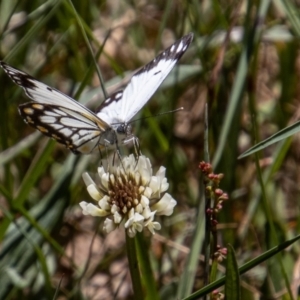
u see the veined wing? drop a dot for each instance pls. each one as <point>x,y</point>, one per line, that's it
<point>121,107</point>
<point>57,115</point>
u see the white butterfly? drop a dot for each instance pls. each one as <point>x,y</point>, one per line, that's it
<point>74,125</point>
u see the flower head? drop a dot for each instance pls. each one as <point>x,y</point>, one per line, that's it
<point>129,196</point>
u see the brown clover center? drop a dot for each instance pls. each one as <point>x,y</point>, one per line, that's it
<point>124,193</point>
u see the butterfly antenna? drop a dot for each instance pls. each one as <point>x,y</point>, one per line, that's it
<point>158,115</point>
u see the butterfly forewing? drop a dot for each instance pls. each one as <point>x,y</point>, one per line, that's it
<point>146,81</point>
<point>109,110</point>
<point>143,84</point>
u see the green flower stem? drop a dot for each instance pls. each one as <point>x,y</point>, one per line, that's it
<point>134,268</point>
<point>147,274</point>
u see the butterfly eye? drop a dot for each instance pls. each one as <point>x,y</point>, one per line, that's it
<point>121,129</point>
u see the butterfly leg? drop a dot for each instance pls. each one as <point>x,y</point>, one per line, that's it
<point>137,148</point>
<point>118,151</point>
<point>101,156</point>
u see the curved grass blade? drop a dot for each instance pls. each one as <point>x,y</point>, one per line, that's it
<point>280,135</point>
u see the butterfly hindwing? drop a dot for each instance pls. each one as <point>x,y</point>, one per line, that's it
<point>66,126</point>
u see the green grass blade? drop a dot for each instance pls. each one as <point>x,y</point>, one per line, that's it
<point>232,277</point>
<point>280,135</point>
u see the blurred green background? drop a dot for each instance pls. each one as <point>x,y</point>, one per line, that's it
<point>244,64</point>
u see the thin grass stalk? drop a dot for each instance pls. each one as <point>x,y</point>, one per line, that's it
<point>90,50</point>
<point>208,205</point>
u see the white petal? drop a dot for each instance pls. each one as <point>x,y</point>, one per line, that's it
<point>128,223</point>
<point>131,232</point>
<point>154,184</point>
<point>83,205</point>
<point>164,185</point>
<point>138,218</point>
<point>144,168</point>
<point>161,173</point>
<point>144,201</point>
<point>114,208</point>
<point>91,209</point>
<point>134,224</point>
<point>138,226</point>
<point>134,228</point>
<point>165,206</point>
<point>137,177</point>
<point>135,219</point>
<point>102,185</point>
<point>117,218</point>
<point>104,180</point>
<point>101,171</point>
<point>94,193</point>
<point>139,208</point>
<point>109,225</point>
<point>148,214</point>
<point>87,179</point>
<point>103,203</point>
<point>148,192</point>
<point>159,183</point>
<point>112,179</point>
<point>131,214</point>
<point>152,226</point>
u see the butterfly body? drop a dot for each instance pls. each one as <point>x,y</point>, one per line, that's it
<point>70,123</point>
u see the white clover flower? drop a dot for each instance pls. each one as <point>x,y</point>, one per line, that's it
<point>129,196</point>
